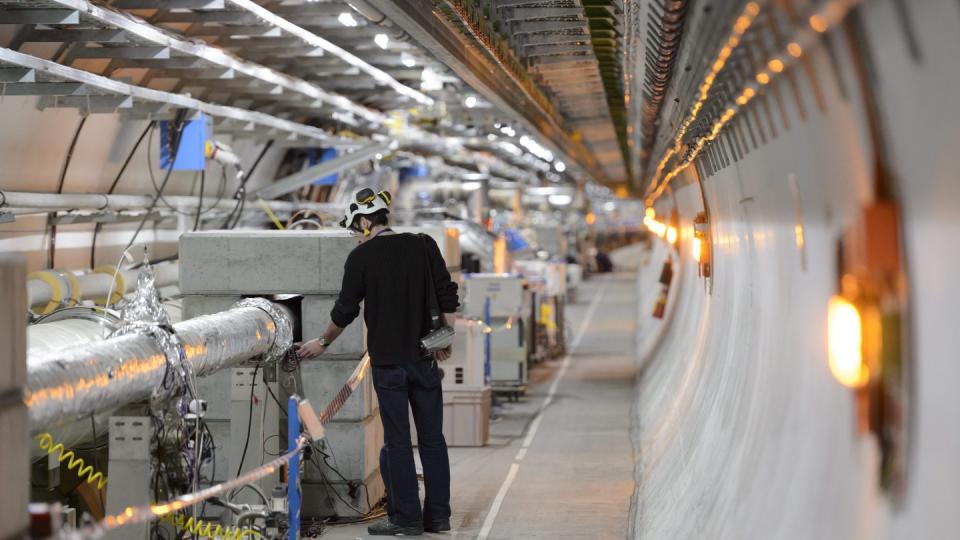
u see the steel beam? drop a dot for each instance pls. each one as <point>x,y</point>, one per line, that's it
<point>43,89</point>
<point>169,4</point>
<point>17,75</point>
<point>71,36</point>
<point>305,177</point>
<point>106,85</point>
<point>539,13</point>
<point>130,53</point>
<point>425,24</point>
<point>39,16</point>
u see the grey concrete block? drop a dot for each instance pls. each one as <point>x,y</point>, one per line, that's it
<point>215,389</point>
<point>315,315</point>
<point>356,447</point>
<point>320,502</point>
<point>322,379</point>
<point>263,262</point>
<point>196,305</point>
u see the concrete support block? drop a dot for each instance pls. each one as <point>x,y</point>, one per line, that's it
<point>263,262</point>
<point>196,305</point>
<point>320,502</point>
<point>322,379</point>
<point>315,315</point>
<point>354,448</point>
<point>14,448</point>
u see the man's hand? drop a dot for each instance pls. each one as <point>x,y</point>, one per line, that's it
<point>310,349</point>
<point>443,354</point>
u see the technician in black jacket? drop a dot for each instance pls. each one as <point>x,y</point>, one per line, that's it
<point>388,272</point>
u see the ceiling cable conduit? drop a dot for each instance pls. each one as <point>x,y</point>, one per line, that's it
<point>147,32</point>
<point>316,41</point>
<point>89,82</point>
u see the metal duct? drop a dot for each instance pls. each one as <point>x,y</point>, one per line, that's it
<point>66,384</point>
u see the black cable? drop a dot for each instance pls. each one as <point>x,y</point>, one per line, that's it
<point>176,125</point>
<point>69,158</point>
<point>153,178</point>
<point>240,193</point>
<point>246,444</point>
<point>96,459</point>
<point>63,178</point>
<point>93,244</point>
<point>203,179</point>
<point>126,162</point>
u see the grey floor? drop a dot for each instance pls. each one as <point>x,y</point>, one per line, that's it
<point>576,477</point>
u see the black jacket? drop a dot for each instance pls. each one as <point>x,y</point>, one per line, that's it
<point>389,275</point>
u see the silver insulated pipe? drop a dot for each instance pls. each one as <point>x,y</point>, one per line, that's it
<point>66,384</point>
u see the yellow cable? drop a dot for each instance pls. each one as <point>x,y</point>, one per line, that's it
<point>205,529</point>
<point>270,214</point>
<point>83,470</point>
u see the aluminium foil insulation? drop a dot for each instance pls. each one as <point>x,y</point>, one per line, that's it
<point>67,384</point>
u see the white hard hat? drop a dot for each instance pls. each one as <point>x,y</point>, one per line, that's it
<point>366,202</point>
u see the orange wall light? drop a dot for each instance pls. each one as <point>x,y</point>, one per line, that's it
<point>845,343</point>
<point>672,235</point>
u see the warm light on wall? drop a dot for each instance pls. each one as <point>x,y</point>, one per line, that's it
<point>672,235</point>
<point>656,227</point>
<point>845,343</point>
<point>697,246</point>
<point>591,218</point>
<point>651,213</point>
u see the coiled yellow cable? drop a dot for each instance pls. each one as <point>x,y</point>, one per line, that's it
<point>83,470</point>
<point>205,529</point>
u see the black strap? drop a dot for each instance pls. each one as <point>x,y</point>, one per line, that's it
<point>433,304</point>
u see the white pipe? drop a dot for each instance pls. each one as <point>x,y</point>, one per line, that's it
<point>98,285</point>
<point>103,201</point>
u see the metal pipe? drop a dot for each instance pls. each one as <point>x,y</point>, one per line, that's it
<point>338,164</point>
<point>103,201</point>
<point>66,384</point>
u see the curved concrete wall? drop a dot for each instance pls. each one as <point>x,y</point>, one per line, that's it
<point>742,432</point>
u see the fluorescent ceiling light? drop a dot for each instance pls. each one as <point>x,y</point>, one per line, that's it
<point>560,166</point>
<point>560,199</point>
<point>381,40</point>
<point>347,19</point>
<point>609,206</point>
<point>471,186</point>
<point>407,60</point>
<point>470,102</point>
<point>316,41</point>
<point>430,80</point>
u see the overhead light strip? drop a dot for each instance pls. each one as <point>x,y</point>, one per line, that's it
<point>316,41</point>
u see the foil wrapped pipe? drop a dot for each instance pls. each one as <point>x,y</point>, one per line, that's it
<point>68,384</point>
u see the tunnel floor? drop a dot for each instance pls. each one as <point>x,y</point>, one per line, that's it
<point>560,463</point>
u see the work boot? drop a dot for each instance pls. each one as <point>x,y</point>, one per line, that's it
<point>440,525</point>
<point>385,528</point>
